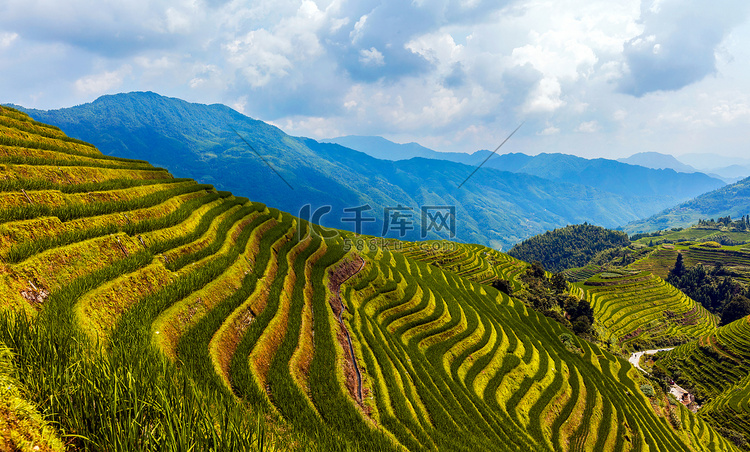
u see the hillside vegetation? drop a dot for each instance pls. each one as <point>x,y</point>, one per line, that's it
<point>641,311</point>
<point>641,183</point>
<point>568,247</point>
<point>716,369</point>
<point>151,313</point>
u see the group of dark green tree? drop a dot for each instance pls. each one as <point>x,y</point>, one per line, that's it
<point>742,224</point>
<point>569,247</point>
<point>547,296</point>
<point>714,288</point>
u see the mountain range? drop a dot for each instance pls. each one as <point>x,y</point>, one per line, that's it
<point>632,178</point>
<point>513,197</point>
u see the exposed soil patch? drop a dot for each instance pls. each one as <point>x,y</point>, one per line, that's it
<point>347,268</point>
<point>339,274</point>
<point>35,295</point>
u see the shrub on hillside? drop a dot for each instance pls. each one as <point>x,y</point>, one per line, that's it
<point>503,285</point>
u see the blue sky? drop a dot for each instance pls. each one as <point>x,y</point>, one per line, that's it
<point>594,78</point>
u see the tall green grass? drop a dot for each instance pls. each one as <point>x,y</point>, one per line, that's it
<point>129,399</point>
<point>17,253</point>
<point>40,130</point>
<point>96,163</point>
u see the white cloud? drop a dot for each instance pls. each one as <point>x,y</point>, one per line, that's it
<point>102,82</point>
<point>545,98</point>
<point>239,104</point>
<point>731,110</point>
<point>371,57</point>
<point>551,130</point>
<point>356,32</point>
<point>456,75</point>
<point>679,43</point>
<point>588,127</point>
<point>6,39</point>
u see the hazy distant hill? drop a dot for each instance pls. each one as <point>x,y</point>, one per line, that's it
<point>663,187</point>
<point>620,178</point>
<point>496,208</point>
<point>656,160</point>
<point>384,149</point>
<point>730,169</point>
<point>732,200</point>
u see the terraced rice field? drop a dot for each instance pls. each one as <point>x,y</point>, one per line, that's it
<point>337,349</point>
<point>475,262</point>
<point>716,369</point>
<point>582,273</point>
<point>499,373</point>
<point>642,311</point>
<point>661,260</point>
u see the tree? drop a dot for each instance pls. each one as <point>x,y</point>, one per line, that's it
<point>581,325</point>
<point>736,309</point>
<point>559,284</point>
<point>536,270</point>
<point>585,310</point>
<point>503,285</point>
<point>679,268</point>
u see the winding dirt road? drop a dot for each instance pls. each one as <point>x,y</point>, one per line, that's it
<point>677,391</point>
<point>635,358</point>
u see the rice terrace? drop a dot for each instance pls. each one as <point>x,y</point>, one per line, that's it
<point>146,312</point>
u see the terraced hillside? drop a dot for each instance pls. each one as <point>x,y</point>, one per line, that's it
<point>164,315</point>
<point>716,368</point>
<point>662,259</point>
<point>642,311</point>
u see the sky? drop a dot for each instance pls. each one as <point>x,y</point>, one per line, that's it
<point>594,78</point>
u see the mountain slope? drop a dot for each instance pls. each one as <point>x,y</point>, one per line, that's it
<point>201,141</point>
<point>732,200</point>
<point>716,368</point>
<point>621,178</point>
<point>164,315</point>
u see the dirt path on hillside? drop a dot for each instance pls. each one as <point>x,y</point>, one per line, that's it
<point>635,358</point>
<point>682,394</point>
<point>338,306</point>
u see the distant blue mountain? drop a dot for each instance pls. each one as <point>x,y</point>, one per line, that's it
<point>217,145</point>
<point>656,160</point>
<point>384,149</point>
<point>609,175</point>
<point>731,200</point>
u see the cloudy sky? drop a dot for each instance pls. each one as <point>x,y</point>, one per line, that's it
<point>588,77</point>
